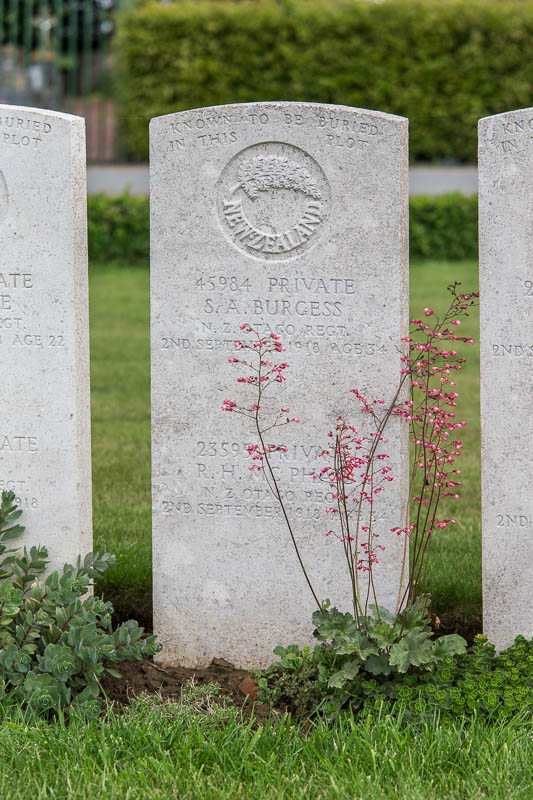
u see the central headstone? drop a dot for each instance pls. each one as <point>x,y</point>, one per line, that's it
<point>45,455</point>
<point>292,218</point>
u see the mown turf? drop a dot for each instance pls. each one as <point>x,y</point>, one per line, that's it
<point>121,440</point>
<point>120,391</point>
<point>194,749</point>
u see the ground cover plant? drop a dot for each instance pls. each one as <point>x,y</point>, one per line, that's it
<point>57,639</point>
<point>453,684</point>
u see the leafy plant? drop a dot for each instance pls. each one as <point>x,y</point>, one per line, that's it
<point>385,645</point>
<point>56,638</point>
<point>451,684</point>
<point>385,648</point>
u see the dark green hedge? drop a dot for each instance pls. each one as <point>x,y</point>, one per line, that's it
<point>118,228</point>
<point>442,63</point>
<point>442,227</point>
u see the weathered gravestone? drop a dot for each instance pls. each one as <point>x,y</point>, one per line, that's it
<point>44,336</point>
<point>506,291</point>
<point>327,271</point>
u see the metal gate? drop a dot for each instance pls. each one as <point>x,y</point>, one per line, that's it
<point>56,54</point>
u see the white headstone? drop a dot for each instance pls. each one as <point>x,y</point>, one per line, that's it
<point>326,272</point>
<point>506,292</point>
<point>44,330</point>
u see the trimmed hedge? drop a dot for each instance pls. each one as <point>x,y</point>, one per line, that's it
<point>443,227</point>
<point>442,63</point>
<point>118,228</point>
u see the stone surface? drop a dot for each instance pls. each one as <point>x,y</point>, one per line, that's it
<point>326,269</point>
<point>44,331</point>
<point>506,291</point>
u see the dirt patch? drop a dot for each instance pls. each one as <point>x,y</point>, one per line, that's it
<point>145,676</point>
<point>455,621</point>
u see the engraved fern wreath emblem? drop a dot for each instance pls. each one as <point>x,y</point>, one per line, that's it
<point>274,172</point>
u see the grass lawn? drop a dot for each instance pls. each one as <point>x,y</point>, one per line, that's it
<point>196,748</point>
<point>121,441</point>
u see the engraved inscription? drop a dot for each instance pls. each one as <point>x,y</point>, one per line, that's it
<point>240,494</point>
<point>11,443</point>
<point>15,314</point>
<point>24,496</point>
<point>197,132</point>
<point>520,129</point>
<point>513,350</point>
<point>309,312</point>
<point>273,200</point>
<point>512,521</point>
<point>23,131</point>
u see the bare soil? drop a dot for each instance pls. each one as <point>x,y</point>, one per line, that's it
<point>144,676</point>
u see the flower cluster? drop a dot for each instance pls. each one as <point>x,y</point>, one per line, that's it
<point>356,473</point>
<point>429,369</point>
<point>256,356</point>
<point>263,373</point>
<point>357,470</point>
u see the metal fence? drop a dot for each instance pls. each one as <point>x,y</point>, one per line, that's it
<point>56,54</point>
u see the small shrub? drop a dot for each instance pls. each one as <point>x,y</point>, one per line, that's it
<point>56,639</point>
<point>443,227</point>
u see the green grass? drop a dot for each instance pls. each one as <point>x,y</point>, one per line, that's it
<point>121,441</point>
<point>120,387</point>
<point>195,749</point>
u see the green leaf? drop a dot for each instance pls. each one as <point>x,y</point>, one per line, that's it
<point>413,649</point>
<point>449,645</point>
<point>113,672</point>
<point>347,673</point>
<point>13,533</point>
<point>383,635</point>
<point>357,644</point>
<point>332,624</point>
<point>378,665</point>
<point>384,613</point>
